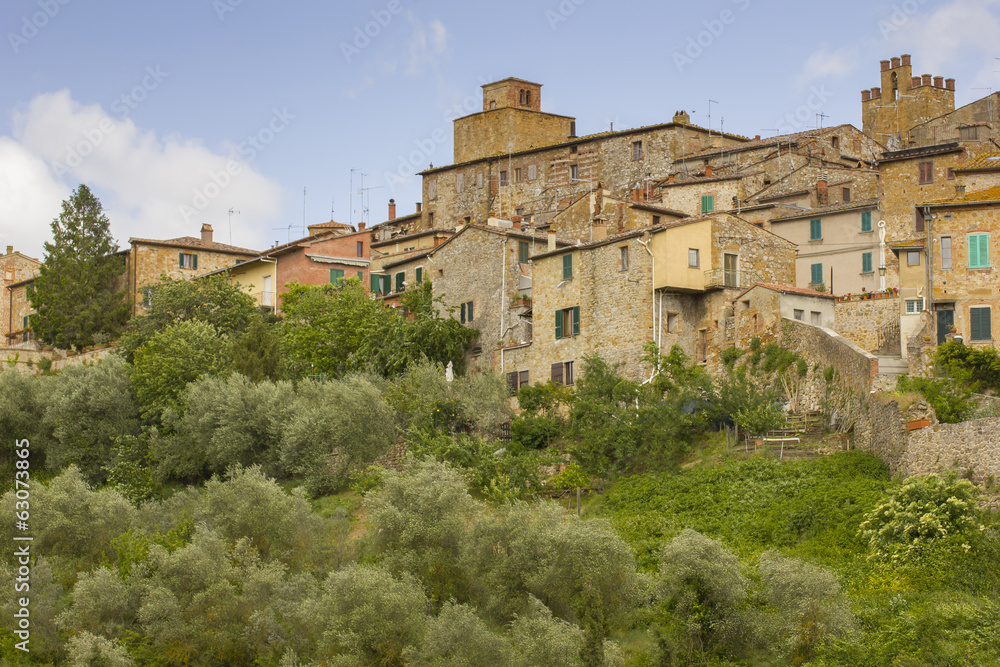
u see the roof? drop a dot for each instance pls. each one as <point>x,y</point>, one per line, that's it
<point>332,225</point>
<point>18,252</point>
<point>408,258</point>
<point>771,141</point>
<point>908,244</point>
<point>987,196</point>
<point>398,218</point>
<point>984,162</point>
<point>511,78</point>
<point>695,180</point>
<point>657,209</point>
<point>407,237</point>
<point>788,289</point>
<point>501,231</point>
<point>832,208</point>
<point>26,281</point>
<point>197,244</point>
<point>613,238</point>
<point>921,151</point>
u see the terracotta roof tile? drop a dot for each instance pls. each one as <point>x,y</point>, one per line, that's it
<point>984,162</point>
<point>988,195</point>
<point>789,289</point>
<point>196,243</point>
<point>832,208</point>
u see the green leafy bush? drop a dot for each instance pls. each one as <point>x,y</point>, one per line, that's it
<point>952,402</point>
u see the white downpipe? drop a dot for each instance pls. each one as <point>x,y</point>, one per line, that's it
<point>652,264</point>
<point>503,295</point>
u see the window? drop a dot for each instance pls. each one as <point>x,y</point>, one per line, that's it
<point>430,219</point>
<point>799,314</point>
<point>816,274</point>
<point>460,183</point>
<point>925,171</point>
<point>730,275</point>
<point>517,379</point>
<point>636,151</point>
<point>527,98</point>
<point>466,312</point>
<point>951,174</point>
<point>568,322</point>
<point>188,261</point>
<point>419,274</point>
<point>147,296</point>
<point>623,253</point>
<point>562,372</point>
<point>381,283</point>
<point>979,324</point>
<point>866,262</point>
<point>918,218</point>
<point>672,322</point>
<point>400,281</point>
<point>693,261</point>
<point>945,252</point>
<point>815,318</point>
<point>493,104</point>
<point>336,276</point>
<point>573,149</point>
<point>707,204</point>
<point>968,133</point>
<point>522,251</point>
<point>847,195</point>
<point>914,306</point>
<point>816,229</point>
<point>517,175</point>
<point>568,267</point>
<point>361,277</point>
<point>866,221</point>
<point>574,172</point>
<point>503,178</point>
<point>532,172</point>
<point>913,258</point>
<point>361,248</point>
<point>656,219</point>
<point>959,190</point>
<point>479,180</point>
<point>522,97</point>
<point>979,251</point>
<point>432,189</point>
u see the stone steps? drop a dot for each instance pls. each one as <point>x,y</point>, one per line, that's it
<point>893,366</point>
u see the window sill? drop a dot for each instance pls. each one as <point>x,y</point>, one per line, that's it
<point>867,231</point>
<point>815,240</point>
<point>980,268</point>
<point>867,273</point>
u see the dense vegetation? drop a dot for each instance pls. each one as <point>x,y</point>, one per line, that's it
<point>209,496</point>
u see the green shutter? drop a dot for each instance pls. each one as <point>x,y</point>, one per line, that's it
<point>568,266</point>
<point>817,274</point>
<point>462,317</point>
<point>468,312</point>
<point>979,251</point>
<point>576,320</point>
<point>374,282</point>
<point>707,203</point>
<point>180,260</point>
<point>386,284</point>
<point>336,276</point>
<point>194,261</point>
<point>400,279</point>
<point>979,320</point>
<point>559,324</point>
<point>522,252</point>
<point>361,277</point>
<point>866,262</point>
<point>815,229</point>
<point>866,221</point>
<point>420,274</point>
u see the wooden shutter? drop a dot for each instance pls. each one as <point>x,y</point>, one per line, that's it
<point>522,251</point>
<point>180,260</point>
<point>559,324</point>
<point>817,274</point>
<point>336,275</point>
<point>815,229</point>
<point>568,266</point>
<point>420,274</point>
<point>194,261</point>
<point>576,320</point>
<point>866,262</point>
<point>866,221</point>
<point>361,276</point>
<point>462,317</point>
<point>973,251</point>
<point>512,380</point>
<point>979,320</point>
<point>557,373</point>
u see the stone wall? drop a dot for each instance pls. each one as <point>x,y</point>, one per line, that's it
<point>971,447</point>
<point>859,320</point>
<point>818,345</point>
<point>26,361</point>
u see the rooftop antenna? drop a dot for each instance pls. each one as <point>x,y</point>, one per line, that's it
<point>231,211</point>
<point>333,200</point>
<point>819,119</point>
<point>365,200</point>
<point>303,208</point>
<point>350,216</point>
<point>710,103</point>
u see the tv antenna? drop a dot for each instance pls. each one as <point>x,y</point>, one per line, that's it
<point>231,211</point>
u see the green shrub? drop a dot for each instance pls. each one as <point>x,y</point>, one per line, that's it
<point>952,402</point>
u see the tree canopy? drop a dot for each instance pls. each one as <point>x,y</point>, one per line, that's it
<point>77,294</point>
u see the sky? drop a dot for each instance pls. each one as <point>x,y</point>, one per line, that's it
<point>176,113</point>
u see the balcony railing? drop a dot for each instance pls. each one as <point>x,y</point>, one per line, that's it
<point>722,278</point>
<point>264,299</point>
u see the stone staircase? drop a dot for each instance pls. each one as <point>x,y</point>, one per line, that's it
<point>890,367</point>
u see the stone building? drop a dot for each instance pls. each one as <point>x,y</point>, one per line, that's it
<point>838,246</point>
<point>328,256</point>
<point>578,215</point>
<point>181,258</point>
<point>484,278</point>
<point>976,122</point>
<point>668,284</point>
<point>512,159</point>
<point>757,312</point>
<point>891,111</point>
<point>16,268</point>
<point>18,310</point>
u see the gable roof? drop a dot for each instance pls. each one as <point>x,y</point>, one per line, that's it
<point>787,289</point>
<point>192,243</point>
<point>831,208</point>
<point>984,162</point>
<point>921,151</point>
<point>771,141</point>
<point>986,196</point>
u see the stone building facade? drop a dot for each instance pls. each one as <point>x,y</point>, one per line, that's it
<point>18,311</point>
<point>976,122</point>
<point>577,216</point>
<point>890,111</point>
<point>16,268</point>
<point>758,311</point>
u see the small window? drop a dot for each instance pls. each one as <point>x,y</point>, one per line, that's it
<point>636,151</point>
<point>866,221</point>
<point>573,149</point>
<point>527,98</point>
<point>574,172</point>
<point>147,296</point>
<point>951,174</point>
<point>913,258</point>
<point>562,372</point>
<point>693,259</point>
<point>847,195</point>
<point>945,252</point>
<point>532,172</point>
<point>401,281</point>
<point>656,219</point>
<point>361,249</point>
<point>430,219</point>
<point>568,266</point>
<point>925,172</point>
<point>336,276</point>
<point>816,229</point>
<point>188,260</point>
<point>707,204</point>
<point>979,251</point>
<point>517,174</point>
<point>914,306</point>
<point>815,318</point>
<point>673,320</point>
<point>419,274</point>
<point>918,219</point>
<point>799,314</point>
<point>623,254</point>
<point>835,142</point>
<point>979,324</point>
<point>522,97</point>
<point>361,277</point>
<point>968,133</point>
<point>816,274</point>
<point>523,250</point>
<point>503,178</point>
<point>460,183</point>
<point>568,322</point>
<point>466,313</point>
<point>517,379</point>
<point>432,188</point>
<point>479,180</point>
<point>866,262</point>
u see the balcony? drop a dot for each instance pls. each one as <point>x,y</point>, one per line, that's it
<point>264,299</point>
<point>727,278</point>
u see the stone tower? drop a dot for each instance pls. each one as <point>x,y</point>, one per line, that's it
<point>889,111</point>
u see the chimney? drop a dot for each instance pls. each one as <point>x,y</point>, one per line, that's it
<point>895,63</point>
<point>949,84</point>
<point>876,93</point>
<point>392,209</point>
<point>552,239</point>
<point>682,117</point>
<point>708,171</point>
<point>885,65</point>
<point>914,82</point>
<point>517,222</point>
<point>906,60</point>
<point>926,79</point>
<point>636,194</point>
<point>361,226</point>
<point>866,95</point>
<point>206,234</point>
<point>939,82</point>
<point>821,192</point>
<point>670,179</point>
<point>756,137</point>
<point>419,206</point>
<point>600,230</point>
<point>10,250</point>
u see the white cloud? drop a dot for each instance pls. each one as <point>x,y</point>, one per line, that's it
<point>823,64</point>
<point>144,181</point>
<point>425,45</point>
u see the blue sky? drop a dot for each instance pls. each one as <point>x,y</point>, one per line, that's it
<point>175,112</point>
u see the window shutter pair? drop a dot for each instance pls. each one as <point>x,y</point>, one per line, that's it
<point>979,320</point>
<point>336,276</point>
<point>707,203</point>
<point>420,274</point>
<point>815,229</point>
<point>817,274</point>
<point>866,262</point>
<point>866,221</point>
<point>561,322</point>
<point>557,373</point>
<point>979,251</point>
<point>194,261</point>
<point>568,267</point>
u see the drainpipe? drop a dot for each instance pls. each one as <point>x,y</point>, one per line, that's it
<point>652,264</point>
<point>503,294</point>
<point>929,300</point>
